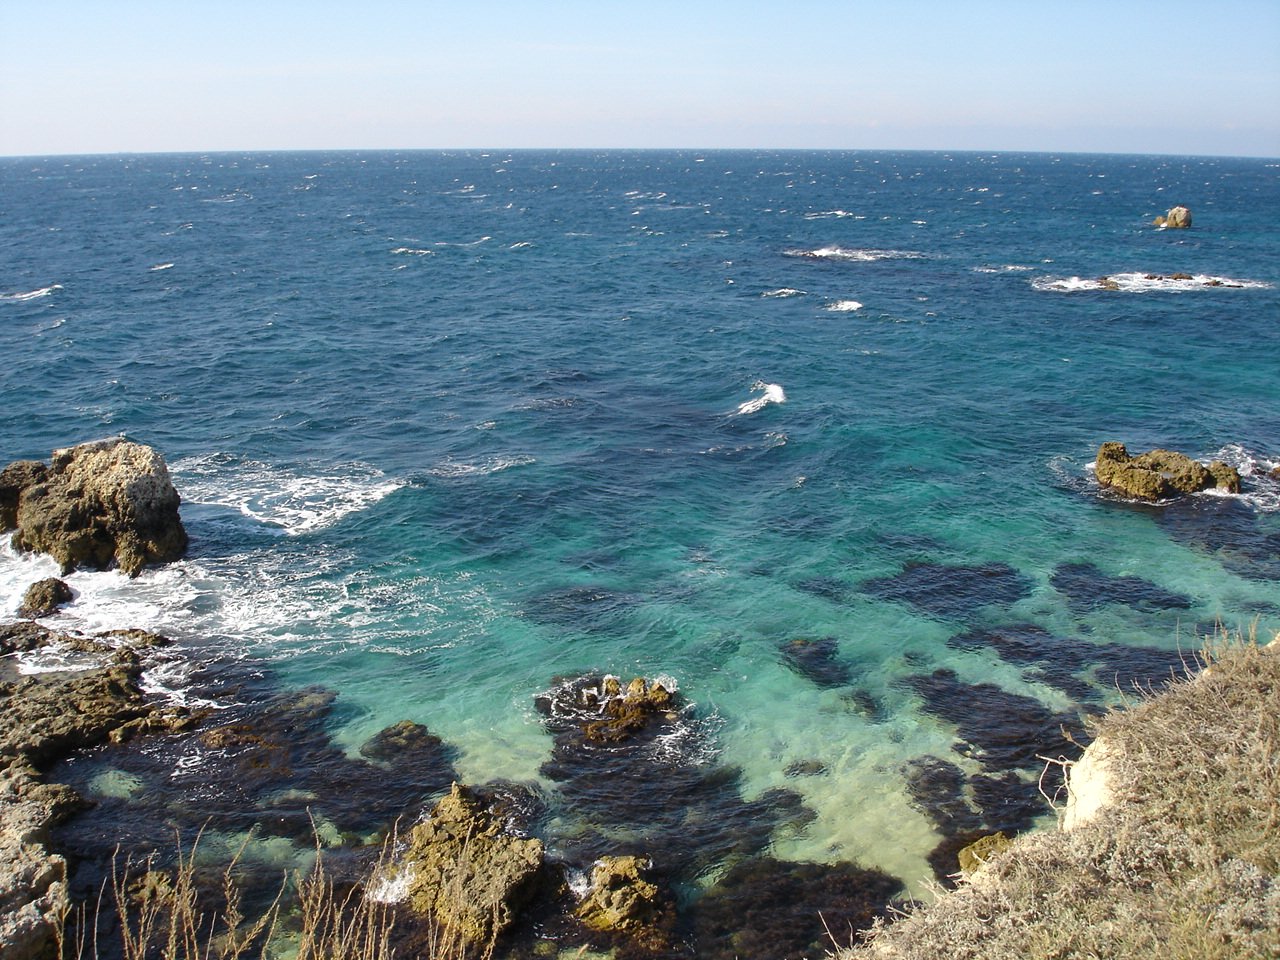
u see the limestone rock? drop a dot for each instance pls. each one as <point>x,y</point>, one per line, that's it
<point>1159,474</point>
<point>44,597</point>
<point>1178,218</point>
<point>467,870</point>
<point>109,501</point>
<point>621,900</point>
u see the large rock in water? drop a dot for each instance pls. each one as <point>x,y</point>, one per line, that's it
<point>99,503</point>
<point>1178,218</point>
<point>1160,474</point>
<point>622,900</point>
<point>467,871</point>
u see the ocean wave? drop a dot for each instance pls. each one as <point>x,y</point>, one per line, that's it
<point>833,214</point>
<point>769,393</point>
<point>413,251</point>
<point>30,294</point>
<point>1261,483</point>
<point>278,496</point>
<point>1004,268</point>
<point>161,266</point>
<point>843,306</point>
<point>783,292</point>
<point>1145,283</point>
<point>858,255</point>
<point>452,469</point>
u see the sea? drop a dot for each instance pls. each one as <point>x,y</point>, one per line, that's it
<point>806,436</point>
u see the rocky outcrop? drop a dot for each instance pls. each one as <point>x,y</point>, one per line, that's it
<point>98,504</point>
<point>622,900</point>
<point>42,718</point>
<point>44,597</point>
<point>467,871</point>
<point>1160,474</point>
<point>1178,218</point>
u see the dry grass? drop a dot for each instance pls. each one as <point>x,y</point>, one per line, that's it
<point>1184,862</point>
<point>144,913</point>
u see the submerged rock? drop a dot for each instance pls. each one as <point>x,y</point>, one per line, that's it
<point>951,591</point>
<point>99,503</point>
<point>1160,474</point>
<point>1088,588</point>
<point>467,871</point>
<point>818,660</point>
<point>649,788</point>
<point>44,597</point>
<point>769,909</point>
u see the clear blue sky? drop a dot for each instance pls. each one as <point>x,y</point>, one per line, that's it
<point>1151,77</point>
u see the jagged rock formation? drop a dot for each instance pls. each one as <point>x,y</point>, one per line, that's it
<point>97,504</point>
<point>622,900</point>
<point>42,718</point>
<point>467,871</point>
<point>1160,474</point>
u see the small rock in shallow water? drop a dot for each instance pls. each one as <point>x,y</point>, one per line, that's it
<point>44,597</point>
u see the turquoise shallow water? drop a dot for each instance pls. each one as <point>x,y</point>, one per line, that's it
<point>450,426</point>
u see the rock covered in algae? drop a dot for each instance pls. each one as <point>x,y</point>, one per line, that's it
<point>100,503</point>
<point>1160,474</point>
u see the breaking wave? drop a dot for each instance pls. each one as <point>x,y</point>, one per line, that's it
<point>30,294</point>
<point>858,255</point>
<point>769,393</point>
<point>1144,283</point>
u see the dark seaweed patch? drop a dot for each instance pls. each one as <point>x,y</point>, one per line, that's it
<point>587,608</point>
<point>1088,588</point>
<point>937,788</point>
<point>1067,663</point>
<point>817,661</point>
<point>949,591</point>
<point>1244,541</point>
<point>1007,729</point>
<point>765,908</point>
<point>649,793</point>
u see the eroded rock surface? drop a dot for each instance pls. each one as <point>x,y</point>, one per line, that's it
<point>108,502</point>
<point>44,597</point>
<point>42,718</point>
<point>1160,474</point>
<point>468,871</point>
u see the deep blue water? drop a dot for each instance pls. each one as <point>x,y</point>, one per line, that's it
<point>449,426</point>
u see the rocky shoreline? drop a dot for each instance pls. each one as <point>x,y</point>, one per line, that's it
<point>93,766</point>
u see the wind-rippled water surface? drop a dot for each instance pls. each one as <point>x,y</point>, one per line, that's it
<point>808,434</point>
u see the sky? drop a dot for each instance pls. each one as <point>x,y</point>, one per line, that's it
<point>124,76</point>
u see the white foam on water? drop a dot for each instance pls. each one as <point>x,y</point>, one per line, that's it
<point>413,251</point>
<point>769,393</point>
<point>833,214</point>
<point>1261,485</point>
<point>279,496</point>
<point>783,292</point>
<point>453,469</point>
<point>161,266</point>
<point>844,306</point>
<point>1145,283</point>
<point>30,294</point>
<point>858,255</point>
<point>1003,268</point>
